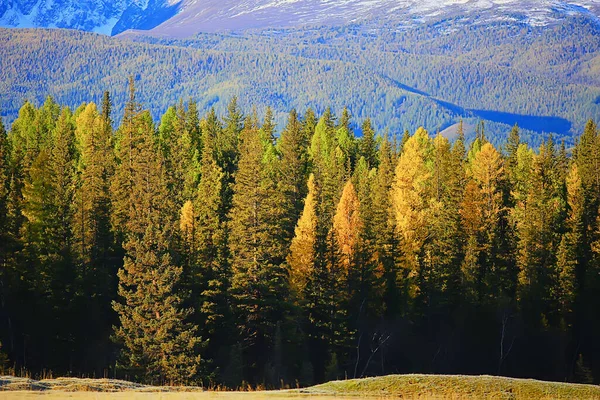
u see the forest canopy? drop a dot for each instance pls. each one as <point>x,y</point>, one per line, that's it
<point>545,78</point>
<point>208,249</point>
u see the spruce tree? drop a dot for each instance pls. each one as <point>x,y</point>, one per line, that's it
<point>93,240</point>
<point>385,245</point>
<point>159,345</point>
<point>5,174</point>
<point>294,168</point>
<point>122,183</point>
<point>211,272</point>
<point>368,144</point>
<point>258,285</point>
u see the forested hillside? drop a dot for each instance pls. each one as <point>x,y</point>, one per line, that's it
<point>544,78</point>
<point>202,248</point>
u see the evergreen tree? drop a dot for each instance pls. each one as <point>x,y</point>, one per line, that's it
<point>5,174</point>
<point>159,345</point>
<point>258,285</point>
<point>46,236</point>
<point>210,272</point>
<point>368,144</point>
<point>294,168</point>
<point>107,109</point>
<point>122,184</point>
<point>385,246</point>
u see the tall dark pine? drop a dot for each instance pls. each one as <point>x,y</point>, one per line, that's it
<point>158,343</point>
<point>256,242</point>
<point>122,183</point>
<point>368,144</point>
<point>211,273</point>
<point>47,244</point>
<point>4,193</point>
<point>293,171</point>
<point>93,240</point>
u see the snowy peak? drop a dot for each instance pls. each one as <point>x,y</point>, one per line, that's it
<point>101,16</point>
<point>234,15</point>
<point>188,17</point>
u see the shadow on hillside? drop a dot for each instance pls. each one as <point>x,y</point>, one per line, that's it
<point>539,124</point>
<point>529,122</point>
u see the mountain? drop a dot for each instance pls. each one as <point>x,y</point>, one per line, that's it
<point>183,18</point>
<point>101,16</point>
<point>402,63</point>
<point>545,78</point>
<point>195,16</point>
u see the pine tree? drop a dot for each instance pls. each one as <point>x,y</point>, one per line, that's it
<point>368,144</point>
<point>258,286</point>
<point>122,184</point>
<point>4,194</point>
<point>159,345</point>
<point>294,168</point>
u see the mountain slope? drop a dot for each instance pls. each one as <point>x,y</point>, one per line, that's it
<point>545,79</point>
<point>233,15</point>
<point>183,18</point>
<point>101,16</point>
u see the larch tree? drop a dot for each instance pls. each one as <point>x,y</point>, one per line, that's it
<point>410,195</point>
<point>481,212</point>
<point>301,258</point>
<point>348,226</point>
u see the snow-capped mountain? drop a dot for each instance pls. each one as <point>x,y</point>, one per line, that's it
<point>222,15</point>
<point>187,17</point>
<point>109,17</point>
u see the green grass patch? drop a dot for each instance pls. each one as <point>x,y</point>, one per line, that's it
<point>456,387</point>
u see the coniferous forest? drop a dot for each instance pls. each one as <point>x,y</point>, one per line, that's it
<point>222,249</point>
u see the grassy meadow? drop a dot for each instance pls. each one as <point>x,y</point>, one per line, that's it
<point>396,386</point>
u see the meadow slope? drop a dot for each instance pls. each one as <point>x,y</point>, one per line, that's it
<point>394,386</point>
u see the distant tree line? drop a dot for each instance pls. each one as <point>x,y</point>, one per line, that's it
<point>209,251</point>
<point>429,75</point>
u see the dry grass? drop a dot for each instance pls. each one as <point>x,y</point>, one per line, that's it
<point>457,387</point>
<point>398,386</point>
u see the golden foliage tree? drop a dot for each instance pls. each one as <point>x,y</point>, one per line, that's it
<point>302,250</point>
